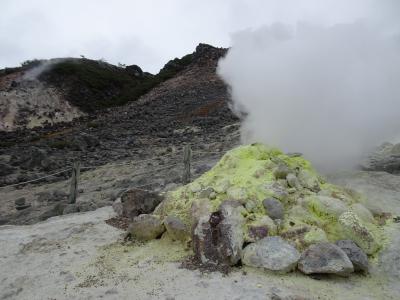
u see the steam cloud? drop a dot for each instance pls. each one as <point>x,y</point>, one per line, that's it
<point>35,72</point>
<point>330,92</point>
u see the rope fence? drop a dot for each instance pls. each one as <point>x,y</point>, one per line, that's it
<point>75,169</point>
<point>36,179</point>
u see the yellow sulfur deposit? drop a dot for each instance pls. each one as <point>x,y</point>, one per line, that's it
<point>252,173</point>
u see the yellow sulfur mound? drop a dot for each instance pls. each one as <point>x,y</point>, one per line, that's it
<point>252,173</point>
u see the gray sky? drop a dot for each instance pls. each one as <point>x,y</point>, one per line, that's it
<point>147,32</point>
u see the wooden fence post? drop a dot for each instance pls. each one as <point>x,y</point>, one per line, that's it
<point>73,192</point>
<point>187,156</point>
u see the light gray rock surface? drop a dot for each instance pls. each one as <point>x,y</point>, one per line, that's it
<point>146,227</point>
<point>271,253</point>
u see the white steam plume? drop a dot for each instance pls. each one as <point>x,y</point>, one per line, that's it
<point>35,72</point>
<point>330,92</point>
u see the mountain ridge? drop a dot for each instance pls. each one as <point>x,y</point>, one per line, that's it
<point>80,86</point>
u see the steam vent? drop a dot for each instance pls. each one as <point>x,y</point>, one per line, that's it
<point>269,210</point>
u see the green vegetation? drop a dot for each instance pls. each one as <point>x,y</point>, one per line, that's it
<point>96,84</point>
<point>92,85</point>
<point>31,63</point>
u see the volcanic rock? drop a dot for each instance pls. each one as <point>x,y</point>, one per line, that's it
<point>315,235</point>
<point>281,171</point>
<point>309,180</point>
<point>325,258</point>
<point>355,254</point>
<point>293,181</point>
<point>218,239</point>
<point>274,208</point>
<point>261,228</point>
<point>146,227</point>
<point>136,202</point>
<point>20,201</point>
<point>21,204</point>
<point>355,230</point>
<point>177,230</point>
<point>271,253</point>
<point>327,205</point>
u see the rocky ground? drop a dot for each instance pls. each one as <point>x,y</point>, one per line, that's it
<point>80,256</point>
<point>161,170</point>
<point>191,108</point>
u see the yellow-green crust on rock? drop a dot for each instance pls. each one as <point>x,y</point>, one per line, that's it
<point>246,174</point>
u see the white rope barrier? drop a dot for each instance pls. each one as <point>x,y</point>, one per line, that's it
<point>36,179</point>
<point>119,164</point>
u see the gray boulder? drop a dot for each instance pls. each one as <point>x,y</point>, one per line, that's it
<point>146,227</point>
<point>293,181</point>
<point>281,171</point>
<point>271,253</point>
<point>176,229</point>
<point>308,180</point>
<point>21,204</point>
<point>325,258</point>
<point>274,208</point>
<point>355,254</point>
<point>218,238</point>
<point>20,201</point>
<point>136,202</point>
<point>328,205</point>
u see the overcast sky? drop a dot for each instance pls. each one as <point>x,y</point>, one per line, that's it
<point>147,32</point>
